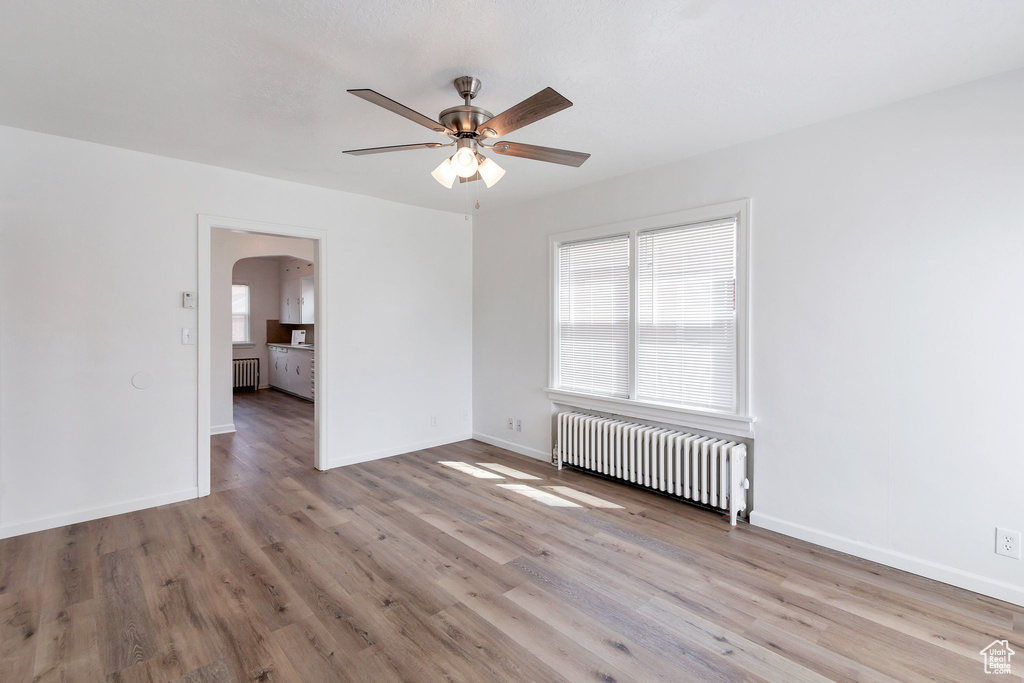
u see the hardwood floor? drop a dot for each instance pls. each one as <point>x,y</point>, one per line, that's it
<point>408,569</point>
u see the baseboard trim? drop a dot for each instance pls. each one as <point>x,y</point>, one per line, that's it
<point>892,558</point>
<point>513,446</point>
<point>77,516</point>
<point>367,456</point>
<point>223,429</point>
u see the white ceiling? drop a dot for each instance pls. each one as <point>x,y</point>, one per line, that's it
<point>259,85</point>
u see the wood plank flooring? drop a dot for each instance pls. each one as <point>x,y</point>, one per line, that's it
<point>407,569</point>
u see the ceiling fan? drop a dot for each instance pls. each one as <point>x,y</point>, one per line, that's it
<point>469,128</point>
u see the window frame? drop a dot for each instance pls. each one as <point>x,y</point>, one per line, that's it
<point>738,423</point>
<point>248,316</point>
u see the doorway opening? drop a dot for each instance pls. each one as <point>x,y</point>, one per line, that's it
<point>273,360</point>
<point>262,341</point>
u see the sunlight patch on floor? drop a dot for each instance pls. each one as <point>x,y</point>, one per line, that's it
<point>466,468</point>
<point>540,496</point>
<point>507,471</point>
<point>593,501</point>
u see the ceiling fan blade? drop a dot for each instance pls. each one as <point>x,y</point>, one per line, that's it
<point>392,148</point>
<point>538,153</point>
<point>400,109</point>
<point>543,104</point>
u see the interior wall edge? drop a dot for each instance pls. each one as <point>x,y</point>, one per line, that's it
<point>367,456</point>
<point>893,558</point>
<point>78,516</point>
<point>528,451</point>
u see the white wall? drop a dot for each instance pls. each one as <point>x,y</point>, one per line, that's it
<point>97,245</point>
<point>887,252</point>
<point>234,258</point>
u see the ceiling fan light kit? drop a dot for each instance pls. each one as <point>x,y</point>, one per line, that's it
<point>469,126</point>
<point>489,171</point>
<point>445,174</point>
<point>464,160</point>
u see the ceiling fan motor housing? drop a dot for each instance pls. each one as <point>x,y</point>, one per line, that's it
<point>464,119</point>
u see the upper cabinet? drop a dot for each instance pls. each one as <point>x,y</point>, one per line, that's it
<point>306,312</point>
<point>297,300</point>
<point>291,292</point>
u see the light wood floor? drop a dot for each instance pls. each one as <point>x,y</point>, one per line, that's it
<point>405,569</point>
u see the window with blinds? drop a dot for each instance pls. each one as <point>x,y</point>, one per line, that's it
<point>650,317</point>
<point>593,316</point>
<point>686,316</point>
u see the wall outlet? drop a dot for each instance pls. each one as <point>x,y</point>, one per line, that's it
<point>519,425</point>
<point>433,420</point>
<point>509,423</point>
<point>1008,543</point>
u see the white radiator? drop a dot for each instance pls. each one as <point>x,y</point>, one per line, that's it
<point>703,469</point>
<point>247,373</point>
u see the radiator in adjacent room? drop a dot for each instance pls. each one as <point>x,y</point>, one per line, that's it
<point>247,373</point>
<point>704,470</point>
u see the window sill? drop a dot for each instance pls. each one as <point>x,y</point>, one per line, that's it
<point>243,345</point>
<point>733,425</point>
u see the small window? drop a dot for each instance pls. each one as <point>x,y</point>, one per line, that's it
<point>240,314</point>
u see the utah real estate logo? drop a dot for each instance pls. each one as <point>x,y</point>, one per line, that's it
<point>997,657</point>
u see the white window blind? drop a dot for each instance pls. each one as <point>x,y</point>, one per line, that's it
<point>239,313</point>
<point>686,316</point>
<point>593,316</point>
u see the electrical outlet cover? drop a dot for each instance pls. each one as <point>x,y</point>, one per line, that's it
<point>1008,543</point>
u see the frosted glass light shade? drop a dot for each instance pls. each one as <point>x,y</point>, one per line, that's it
<point>464,162</point>
<point>444,174</point>
<point>490,172</point>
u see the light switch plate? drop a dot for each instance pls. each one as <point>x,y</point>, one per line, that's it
<point>186,336</point>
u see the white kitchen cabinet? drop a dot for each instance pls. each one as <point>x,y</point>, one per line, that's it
<point>276,374</point>
<point>291,369</point>
<point>287,367</point>
<point>291,295</point>
<point>271,372</point>
<point>286,305</point>
<point>306,301</point>
<point>299,377</point>
<point>297,305</point>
